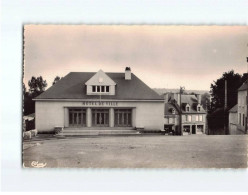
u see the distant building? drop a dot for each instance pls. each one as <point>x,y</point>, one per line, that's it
<point>242,108</point>
<point>191,111</point>
<point>233,120</point>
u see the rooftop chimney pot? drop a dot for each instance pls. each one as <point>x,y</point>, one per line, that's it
<point>128,73</point>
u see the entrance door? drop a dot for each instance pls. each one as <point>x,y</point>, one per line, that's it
<point>77,117</point>
<point>100,117</point>
<point>123,117</point>
<point>193,129</point>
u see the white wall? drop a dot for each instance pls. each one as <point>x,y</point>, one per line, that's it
<point>241,109</point>
<point>49,114</point>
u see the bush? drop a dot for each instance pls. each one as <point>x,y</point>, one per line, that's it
<point>57,130</point>
<point>27,135</point>
<point>34,132</point>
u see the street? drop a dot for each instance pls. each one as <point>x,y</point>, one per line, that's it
<point>157,151</point>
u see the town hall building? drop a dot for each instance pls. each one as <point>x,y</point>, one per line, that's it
<point>90,101</point>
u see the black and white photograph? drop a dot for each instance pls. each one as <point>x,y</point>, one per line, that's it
<point>134,96</point>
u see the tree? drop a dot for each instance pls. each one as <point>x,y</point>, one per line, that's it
<point>57,78</point>
<point>36,86</point>
<point>28,105</point>
<point>234,81</point>
<point>205,101</point>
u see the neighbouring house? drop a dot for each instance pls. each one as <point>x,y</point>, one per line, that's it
<point>98,100</point>
<point>242,108</point>
<point>233,120</point>
<point>171,114</point>
<point>184,110</point>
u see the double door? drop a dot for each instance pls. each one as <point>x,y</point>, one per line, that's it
<point>100,117</point>
<point>77,117</point>
<point>123,117</point>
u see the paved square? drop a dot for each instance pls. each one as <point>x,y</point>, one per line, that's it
<point>197,151</point>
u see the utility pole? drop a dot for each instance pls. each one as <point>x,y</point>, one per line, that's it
<point>225,108</point>
<point>206,126</point>
<point>180,106</point>
<point>246,99</point>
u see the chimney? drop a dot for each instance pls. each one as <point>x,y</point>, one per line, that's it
<point>128,73</point>
<point>166,97</point>
<point>198,98</point>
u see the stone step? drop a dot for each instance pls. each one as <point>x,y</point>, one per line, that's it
<point>98,132</point>
<point>99,128</point>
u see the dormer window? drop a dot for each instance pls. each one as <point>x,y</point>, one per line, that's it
<point>173,111</point>
<point>98,88</point>
<point>187,108</point>
<point>198,108</point>
<point>93,88</point>
<point>100,84</point>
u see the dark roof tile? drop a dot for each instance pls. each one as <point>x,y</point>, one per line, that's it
<point>72,86</point>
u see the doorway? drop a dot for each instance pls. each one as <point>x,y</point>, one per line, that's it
<point>193,129</point>
<point>77,117</point>
<point>100,117</point>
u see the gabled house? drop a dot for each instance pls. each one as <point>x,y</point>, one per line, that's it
<point>233,120</point>
<point>242,108</point>
<point>190,113</point>
<point>98,100</point>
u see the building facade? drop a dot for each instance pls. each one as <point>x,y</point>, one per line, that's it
<point>242,108</point>
<point>185,111</point>
<point>233,120</point>
<point>86,100</point>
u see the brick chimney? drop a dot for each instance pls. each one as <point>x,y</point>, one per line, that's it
<point>128,73</point>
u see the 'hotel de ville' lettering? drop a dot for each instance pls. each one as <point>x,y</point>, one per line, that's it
<point>99,103</point>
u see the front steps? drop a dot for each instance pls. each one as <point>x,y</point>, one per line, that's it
<point>75,132</point>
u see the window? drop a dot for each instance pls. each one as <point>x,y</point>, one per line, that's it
<point>171,120</point>
<point>198,108</point>
<point>93,88</point>
<point>200,118</point>
<point>102,88</point>
<point>187,108</point>
<point>188,118</point>
<point>196,118</point>
<point>98,89</point>
<point>173,111</point>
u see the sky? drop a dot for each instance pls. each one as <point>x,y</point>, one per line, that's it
<point>161,56</point>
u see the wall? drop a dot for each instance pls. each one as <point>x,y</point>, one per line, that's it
<point>49,114</point>
<point>233,120</point>
<point>241,110</point>
<point>193,118</point>
<point>176,116</point>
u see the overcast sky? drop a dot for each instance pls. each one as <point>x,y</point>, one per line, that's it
<point>161,56</point>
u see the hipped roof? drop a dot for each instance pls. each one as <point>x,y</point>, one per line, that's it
<point>72,86</point>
